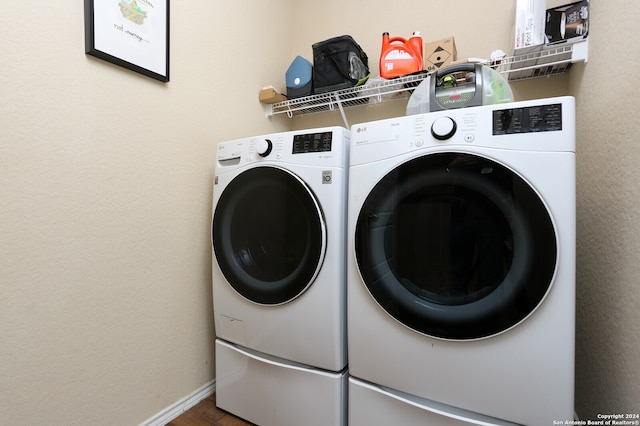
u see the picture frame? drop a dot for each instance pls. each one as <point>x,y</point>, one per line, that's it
<point>133,34</point>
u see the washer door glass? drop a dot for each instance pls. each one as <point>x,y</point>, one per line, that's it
<point>455,246</point>
<point>269,235</point>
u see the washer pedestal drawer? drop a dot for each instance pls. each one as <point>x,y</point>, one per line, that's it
<point>371,405</point>
<point>274,392</point>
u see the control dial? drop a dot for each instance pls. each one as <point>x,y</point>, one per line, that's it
<point>443,128</point>
<point>264,147</point>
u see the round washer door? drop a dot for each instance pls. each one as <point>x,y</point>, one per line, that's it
<point>455,246</point>
<point>269,235</point>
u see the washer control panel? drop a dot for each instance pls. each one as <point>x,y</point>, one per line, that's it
<point>544,125</point>
<point>530,119</point>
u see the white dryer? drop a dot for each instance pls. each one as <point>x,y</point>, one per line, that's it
<point>461,271</point>
<point>279,273</point>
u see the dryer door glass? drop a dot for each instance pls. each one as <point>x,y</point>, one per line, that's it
<point>456,246</point>
<point>269,235</point>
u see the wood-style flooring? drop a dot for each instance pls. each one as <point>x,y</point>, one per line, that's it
<point>205,413</point>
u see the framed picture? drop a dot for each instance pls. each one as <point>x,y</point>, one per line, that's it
<point>133,34</point>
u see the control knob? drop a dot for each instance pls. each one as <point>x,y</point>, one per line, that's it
<point>264,147</point>
<point>443,128</point>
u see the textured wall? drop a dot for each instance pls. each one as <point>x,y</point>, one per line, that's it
<point>608,336</point>
<point>105,201</point>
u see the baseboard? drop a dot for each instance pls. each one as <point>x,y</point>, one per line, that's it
<point>180,406</point>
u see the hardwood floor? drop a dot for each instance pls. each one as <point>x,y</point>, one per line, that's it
<point>205,413</point>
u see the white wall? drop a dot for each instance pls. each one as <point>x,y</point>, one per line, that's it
<point>105,180</point>
<point>105,205</point>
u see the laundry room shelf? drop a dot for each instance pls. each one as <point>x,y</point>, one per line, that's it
<point>542,63</point>
<point>546,62</point>
<point>382,91</point>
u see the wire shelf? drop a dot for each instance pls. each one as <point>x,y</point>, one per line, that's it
<point>545,62</point>
<point>372,92</point>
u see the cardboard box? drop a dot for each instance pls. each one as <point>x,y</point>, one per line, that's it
<point>529,37</point>
<point>269,95</point>
<point>439,54</point>
<point>567,23</point>
<point>529,26</point>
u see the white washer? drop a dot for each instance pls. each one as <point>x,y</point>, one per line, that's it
<point>461,272</point>
<point>279,273</point>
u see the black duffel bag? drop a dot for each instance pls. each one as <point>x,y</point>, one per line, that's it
<point>338,63</point>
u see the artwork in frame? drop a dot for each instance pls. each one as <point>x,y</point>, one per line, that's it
<point>133,34</point>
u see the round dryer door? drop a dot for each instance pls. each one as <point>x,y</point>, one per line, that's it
<point>455,246</point>
<point>269,235</point>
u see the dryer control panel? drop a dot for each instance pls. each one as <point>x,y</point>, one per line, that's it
<point>312,142</point>
<point>324,147</point>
